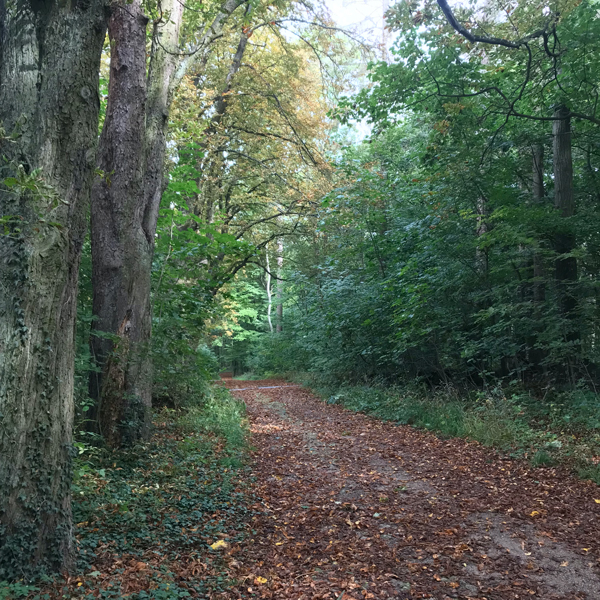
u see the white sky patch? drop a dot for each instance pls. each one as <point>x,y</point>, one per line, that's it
<point>360,13</point>
<point>362,16</point>
<point>365,18</point>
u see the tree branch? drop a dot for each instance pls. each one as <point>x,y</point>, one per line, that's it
<point>491,40</point>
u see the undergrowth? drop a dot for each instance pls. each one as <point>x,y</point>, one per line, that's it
<point>146,517</point>
<point>564,429</point>
<point>222,416</point>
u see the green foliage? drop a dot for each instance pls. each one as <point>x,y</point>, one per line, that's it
<point>222,415</point>
<point>542,459</point>
<point>186,276</point>
<point>12,591</point>
<point>138,498</point>
<point>177,493</point>
<point>592,472</point>
<point>431,262</point>
<point>243,323</point>
<point>84,365</point>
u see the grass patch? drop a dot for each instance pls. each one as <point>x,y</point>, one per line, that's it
<point>589,471</point>
<point>543,459</point>
<point>248,377</point>
<point>222,416</point>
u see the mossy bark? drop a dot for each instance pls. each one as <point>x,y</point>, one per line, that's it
<point>565,266</point>
<point>125,206</point>
<point>121,248</point>
<point>49,63</point>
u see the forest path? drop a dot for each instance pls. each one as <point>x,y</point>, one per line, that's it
<point>352,507</point>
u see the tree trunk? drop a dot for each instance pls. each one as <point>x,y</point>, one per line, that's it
<point>536,355</point>
<point>564,202</point>
<point>49,64</point>
<point>161,89</point>
<point>121,252</point>
<point>269,292</point>
<point>539,286</point>
<point>211,163</point>
<point>481,256</point>
<point>279,310</point>
<point>133,149</point>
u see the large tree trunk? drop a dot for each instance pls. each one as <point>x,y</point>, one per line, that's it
<point>161,89</point>
<point>49,64</point>
<point>133,149</point>
<point>121,251</point>
<point>564,202</point>
<point>125,205</point>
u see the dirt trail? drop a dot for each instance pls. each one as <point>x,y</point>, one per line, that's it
<point>356,508</point>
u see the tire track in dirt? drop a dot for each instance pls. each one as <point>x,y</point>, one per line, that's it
<point>353,507</point>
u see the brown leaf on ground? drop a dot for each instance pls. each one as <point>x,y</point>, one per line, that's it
<point>353,507</point>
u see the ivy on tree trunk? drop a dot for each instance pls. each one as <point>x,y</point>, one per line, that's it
<point>49,64</point>
<point>121,250</point>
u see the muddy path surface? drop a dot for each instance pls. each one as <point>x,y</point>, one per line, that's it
<point>351,507</point>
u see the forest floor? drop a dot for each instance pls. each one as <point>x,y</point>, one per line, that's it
<point>351,507</point>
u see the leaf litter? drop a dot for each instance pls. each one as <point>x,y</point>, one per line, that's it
<point>342,506</point>
<point>355,508</point>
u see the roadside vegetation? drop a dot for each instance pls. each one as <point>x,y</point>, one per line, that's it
<point>450,280</point>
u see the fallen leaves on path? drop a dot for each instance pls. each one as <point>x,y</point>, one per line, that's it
<point>356,508</point>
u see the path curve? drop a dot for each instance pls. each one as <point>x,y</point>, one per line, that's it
<point>352,507</point>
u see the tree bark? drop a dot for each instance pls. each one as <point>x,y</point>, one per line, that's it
<point>279,309</point>
<point>536,355</point>
<point>539,285</point>
<point>481,256</point>
<point>121,251</point>
<point>269,292</point>
<point>133,151</point>
<point>49,64</point>
<point>161,89</point>
<point>564,202</point>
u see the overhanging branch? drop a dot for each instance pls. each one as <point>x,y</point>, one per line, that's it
<point>452,20</point>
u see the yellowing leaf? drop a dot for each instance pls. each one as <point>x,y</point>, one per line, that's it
<point>535,513</point>
<point>596,501</point>
<point>219,544</point>
<point>260,580</point>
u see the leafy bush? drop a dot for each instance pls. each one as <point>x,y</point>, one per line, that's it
<point>182,372</point>
<point>12,591</point>
<point>222,415</point>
